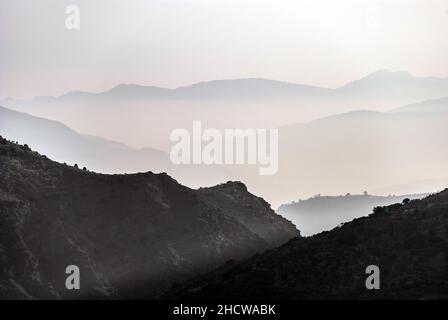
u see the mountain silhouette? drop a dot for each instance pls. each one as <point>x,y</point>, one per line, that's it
<point>379,85</point>
<point>381,152</point>
<point>134,114</point>
<point>97,154</point>
<point>323,213</point>
<point>229,197</point>
<point>362,150</point>
<point>406,242</point>
<point>250,88</point>
<point>65,145</point>
<point>433,105</point>
<point>386,84</point>
<point>132,236</point>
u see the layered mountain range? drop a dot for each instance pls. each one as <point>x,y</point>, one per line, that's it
<point>398,152</point>
<point>63,144</point>
<point>132,236</point>
<point>323,213</point>
<point>137,235</point>
<point>133,113</point>
<point>407,242</point>
<point>382,84</point>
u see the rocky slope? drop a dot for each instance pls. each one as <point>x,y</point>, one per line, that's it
<point>256,215</point>
<point>409,244</point>
<point>132,236</point>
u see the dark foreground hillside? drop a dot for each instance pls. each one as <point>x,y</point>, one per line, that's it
<point>132,236</point>
<point>409,244</point>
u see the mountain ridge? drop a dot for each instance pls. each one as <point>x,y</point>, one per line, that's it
<point>431,105</point>
<point>407,242</point>
<point>241,88</point>
<point>96,153</point>
<point>132,236</point>
<point>322,213</point>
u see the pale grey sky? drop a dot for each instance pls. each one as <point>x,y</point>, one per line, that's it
<point>178,42</point>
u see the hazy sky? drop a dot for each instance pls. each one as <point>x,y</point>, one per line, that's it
<point>179,42</point>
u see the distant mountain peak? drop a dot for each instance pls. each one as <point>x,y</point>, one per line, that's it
<point>133,86</point>
<point>382,73</point>
<point>392,84</point>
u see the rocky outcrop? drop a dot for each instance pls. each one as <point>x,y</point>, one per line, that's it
<point>233,199</point>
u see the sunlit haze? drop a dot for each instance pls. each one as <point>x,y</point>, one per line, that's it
<point>177,42</point>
